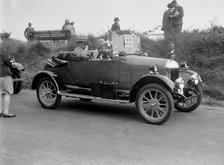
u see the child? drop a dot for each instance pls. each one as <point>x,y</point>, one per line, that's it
<point>6,84</point>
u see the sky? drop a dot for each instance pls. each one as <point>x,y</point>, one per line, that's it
<point>96,16</point>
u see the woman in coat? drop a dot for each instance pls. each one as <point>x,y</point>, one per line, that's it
<point>6,84</point>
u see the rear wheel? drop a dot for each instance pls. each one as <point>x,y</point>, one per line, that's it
<point>154,104</point>
<point>17,85</point>
<point>47,93</point>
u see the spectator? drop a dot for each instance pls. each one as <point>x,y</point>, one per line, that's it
<point>29,32</point>
<point>177,17</point>
<point>167,22</point>
<point>69,26</point>
<point>67,22</point>
<point>6,84</point>
<point>116,26</point>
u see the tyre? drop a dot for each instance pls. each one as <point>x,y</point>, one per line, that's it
<point>154,104</point>
<point>47,93</point>
<point>17,85</point>
<point>191,90</point>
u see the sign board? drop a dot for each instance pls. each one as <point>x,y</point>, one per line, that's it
<point>129,43</point>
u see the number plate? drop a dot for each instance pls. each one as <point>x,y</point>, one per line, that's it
<point>192,100</point>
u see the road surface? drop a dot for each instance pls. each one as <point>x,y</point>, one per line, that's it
<point>97,133</point>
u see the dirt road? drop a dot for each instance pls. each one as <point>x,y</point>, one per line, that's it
<point>96,133</point>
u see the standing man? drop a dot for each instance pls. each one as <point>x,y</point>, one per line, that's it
<point>116,26</point>
<point>177,17</point>
<point>28,33</point>
<point>67,22</point>
<point>167,22</point>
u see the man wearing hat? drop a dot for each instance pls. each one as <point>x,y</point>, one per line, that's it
<point>28,33</point>
<point>104,49</point>
<point>116,26</point>
<point>177,17</point>
<point>82,47</point>
<point>167,22</point>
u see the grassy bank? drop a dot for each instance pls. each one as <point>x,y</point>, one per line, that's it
<point>203,51</point>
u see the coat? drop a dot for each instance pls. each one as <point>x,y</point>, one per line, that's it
<point>5,64</point>
<point>178,18</point>
<point>166,23</point>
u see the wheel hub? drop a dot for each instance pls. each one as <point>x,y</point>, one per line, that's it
<point>154,103</point>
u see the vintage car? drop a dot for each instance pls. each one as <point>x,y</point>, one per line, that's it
<point>155,85</point>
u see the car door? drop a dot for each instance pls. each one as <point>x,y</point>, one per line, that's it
<point>94,71</point>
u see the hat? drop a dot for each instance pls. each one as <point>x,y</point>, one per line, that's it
<point>100,41</point>
<point>116,19</point>
<point>174,2</point>
<point>170,5</point>
<point>67,21</point>
<point>82,39</point>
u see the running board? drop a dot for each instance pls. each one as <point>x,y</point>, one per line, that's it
<point>62,93</point>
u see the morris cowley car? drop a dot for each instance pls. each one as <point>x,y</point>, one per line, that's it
<point>156,86</point>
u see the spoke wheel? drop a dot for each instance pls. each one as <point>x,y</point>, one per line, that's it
<point>154,104</point>
<point>190,91</point>
<point>47,93</point>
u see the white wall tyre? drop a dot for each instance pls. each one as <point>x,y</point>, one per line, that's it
<point>154,104</point>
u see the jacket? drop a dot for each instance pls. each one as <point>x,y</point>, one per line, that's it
<point>167,20</point>
<point>5,64</point>
<point>178,19</point>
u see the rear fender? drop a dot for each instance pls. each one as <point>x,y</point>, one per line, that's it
<point>151,79</point>
<point>43,74</point>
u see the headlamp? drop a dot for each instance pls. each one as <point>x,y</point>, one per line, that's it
<point>195,78</point>
<point>171,64</point>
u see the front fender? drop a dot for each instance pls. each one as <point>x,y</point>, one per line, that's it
<point>41,75</point>
<point>186,75</point>
<point>149,79</point>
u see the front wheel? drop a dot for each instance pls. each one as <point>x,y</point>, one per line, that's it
<point>154,104</point>
<point>194,96</point>
<point>47,93</point>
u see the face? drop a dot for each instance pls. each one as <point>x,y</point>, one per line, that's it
<point>82,44</point>
<point>174,4</point>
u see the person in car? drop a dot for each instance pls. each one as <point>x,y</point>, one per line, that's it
<point>82,49</point>
<point>104,49</point>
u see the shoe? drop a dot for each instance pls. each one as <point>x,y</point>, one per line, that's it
<point>1,114</point>
<point>8,115</point>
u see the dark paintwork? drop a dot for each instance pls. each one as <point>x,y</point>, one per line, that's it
<point>125,70</point>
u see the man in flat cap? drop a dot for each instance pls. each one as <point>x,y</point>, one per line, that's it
<point>116,26</point>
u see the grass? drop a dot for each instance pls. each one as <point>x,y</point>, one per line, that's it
<point>203,51</point>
